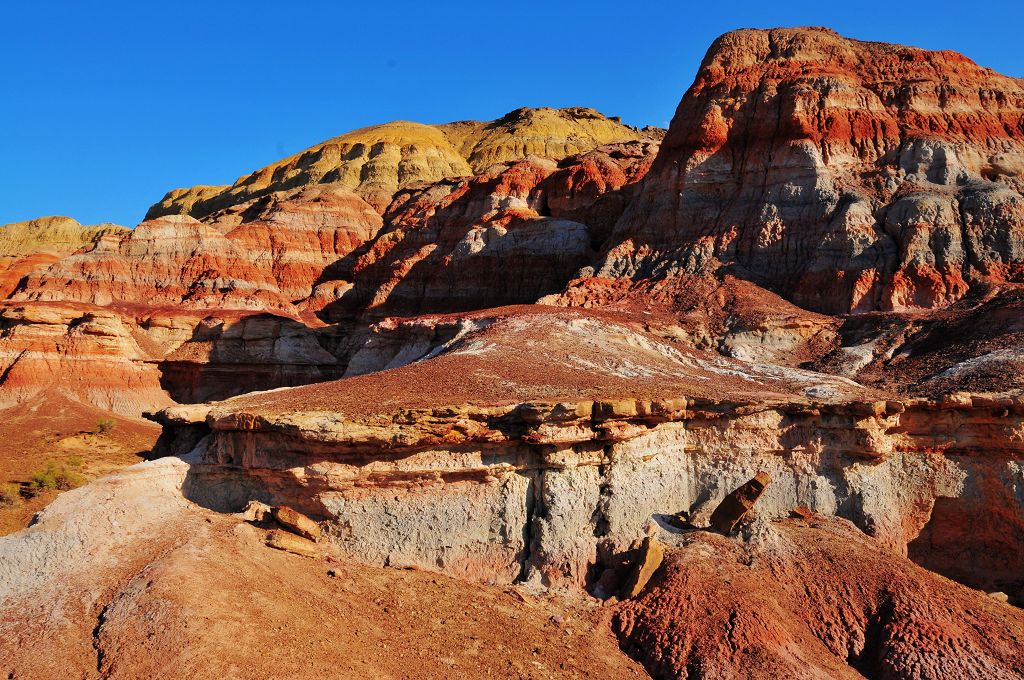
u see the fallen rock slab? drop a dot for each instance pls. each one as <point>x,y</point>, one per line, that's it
<point>649,558</point>
<point>801,512</point>
<point>297,523</point>
<point>736,507</point>
<point>282,540</point>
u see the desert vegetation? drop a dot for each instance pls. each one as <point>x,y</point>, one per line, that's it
<point>58,475</point>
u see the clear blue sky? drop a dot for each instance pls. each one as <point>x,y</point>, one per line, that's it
<point>107,105</point>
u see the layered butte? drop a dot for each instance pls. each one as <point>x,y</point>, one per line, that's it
<point>536,443</point>
<point>847,176</point>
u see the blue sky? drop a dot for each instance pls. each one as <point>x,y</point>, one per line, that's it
<point>107,105</point>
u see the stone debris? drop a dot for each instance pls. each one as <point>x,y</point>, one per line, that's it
<point>1000,597</point>
<point>737,506</point>
<point>649,558</point>
<point>801,512</point>
<point>297,523</point>
<point>282,540</point>
<point>255,511</point>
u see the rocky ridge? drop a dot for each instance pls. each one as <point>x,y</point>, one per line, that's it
<point>847,176</point>
<point>376,161</point>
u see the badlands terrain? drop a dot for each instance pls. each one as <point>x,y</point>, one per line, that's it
<point>544,396</point>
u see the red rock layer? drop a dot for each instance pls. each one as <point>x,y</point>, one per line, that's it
<point>132,360</point>
<point>85,354</point>
<point>847,176</point>
<point>31,246</point>
<point>13,268</point>
<point>263,255</point>
<point>510,235</point>
<point>811,601</point>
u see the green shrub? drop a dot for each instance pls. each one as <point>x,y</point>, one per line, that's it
<point>105,425</point>
<point>10,494</point>
<point>62,476</point>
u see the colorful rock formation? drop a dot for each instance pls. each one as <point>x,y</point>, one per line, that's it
<point>29,246</point>
<point>514,352</point>
<point>844,175</point>
<point>510,235</point>
<point>263,255</point>
<point>376,161</point>
<point>801,601</point>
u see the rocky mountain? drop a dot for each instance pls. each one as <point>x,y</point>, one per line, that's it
<point>536,358</point>
<point>846,176</point>
<point>375,161</point>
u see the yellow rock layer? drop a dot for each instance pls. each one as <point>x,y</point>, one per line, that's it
<point>52,235</point>
<point>375,161</point>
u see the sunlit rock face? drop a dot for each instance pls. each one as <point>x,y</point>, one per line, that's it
<point>510,235</point>
<point>378,160</point>
<point>263,255</point>
<point>844,175</point>
<point>30,246</point>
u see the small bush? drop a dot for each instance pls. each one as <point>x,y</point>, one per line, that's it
<point>10,494</point>
<point>105,425</point>
<point>61,476</point>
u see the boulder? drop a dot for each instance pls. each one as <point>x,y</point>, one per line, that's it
<point>255,511</point>
<point>297,523</point>
<point>801,512</point>
<point>282,540</point>
<point>736,507</point>
<point>649,557</point>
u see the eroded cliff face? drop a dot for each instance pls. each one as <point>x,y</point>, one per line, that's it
<point>556,491</point>
<point>846,176</point>
<point>263,255</point>
<point>132,360</point>
<point>514,485</point>
<point>33,245</point>
<point>510,235</point>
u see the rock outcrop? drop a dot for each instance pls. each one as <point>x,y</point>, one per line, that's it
<point>91,355</point>
<point>515,233</point>
<point>538,444</point>
<point>844,175</point>
<point>376,161</point>
<point>737,506</point>
<point>263,255</point>
<point>29,246</point>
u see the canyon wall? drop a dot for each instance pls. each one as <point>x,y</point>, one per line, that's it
<point>499,476</point>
